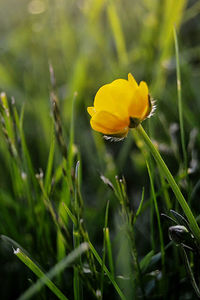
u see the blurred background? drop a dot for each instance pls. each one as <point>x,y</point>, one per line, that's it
<point>90,43</point>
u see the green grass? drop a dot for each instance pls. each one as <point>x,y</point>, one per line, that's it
<point>86,209</point>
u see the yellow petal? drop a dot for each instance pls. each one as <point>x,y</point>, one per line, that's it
<point>140,103</point>
<point>132,81</point>
<point>91,110</point>
<point>143,88</point>
<point>108,124</point>
<point>115,98</point>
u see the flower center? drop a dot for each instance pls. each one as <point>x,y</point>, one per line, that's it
<point>134,122</point>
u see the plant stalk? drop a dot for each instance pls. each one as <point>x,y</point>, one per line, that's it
<point>191,219</point>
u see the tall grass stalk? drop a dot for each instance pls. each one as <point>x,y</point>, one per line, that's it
<point>180,107</point>
<point>193,224</point>
<point>110,276</point>
<point>162,247</point>
<point>104,248</point>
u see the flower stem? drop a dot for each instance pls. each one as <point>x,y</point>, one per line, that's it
<point>191,219</point>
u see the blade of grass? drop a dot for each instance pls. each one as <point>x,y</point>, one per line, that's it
<point>179,196</point>
<point>45,279</point>
<point>139,208</point>
<point>71,137</point>
<point>109,248</point>
<point>165,191</point>
<point>104,249</point>
<point>180,109</point>
<point>26,155</point>
<point>70,214</point>
<point>117,32</point>
<point>190,272</point>
<point>114,283</point>
<point>162,247</point>
<point>50,161</point>
<point>76,232</point>
<point>5,111</point>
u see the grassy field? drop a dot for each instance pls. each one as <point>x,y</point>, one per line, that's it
<point>82,217</point>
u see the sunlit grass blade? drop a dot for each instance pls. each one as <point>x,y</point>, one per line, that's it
<point>117,32</point>
<point>138,212</point>
<point>70,214</point>
<point>37,271</point>
<point>180,108</point>
<point>170,13</point>
<point>104,249</point>
<point>58,125</point>
<point>50,163</point>
<point>13,244</point>
<point>114,283</point>
<point>76,230</point>
<point>193,224</point>
<point>165,186</point>
<point>71,136</point>
<point>5,112</point>
<point>45,279</point>
<point>109,249</point>
<point>26,155</point>
<point>107,242</point>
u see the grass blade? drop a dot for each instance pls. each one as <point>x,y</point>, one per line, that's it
<point>45,279</point>
<point>180,109</point>
<point>104,248</point>
<point>49,163</point>
<point>179,196</point>
<point>114,283</point>
<point>162,248</point>
<point>109,249</point>
<point>117,32</point>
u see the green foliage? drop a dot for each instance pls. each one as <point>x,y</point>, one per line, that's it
<point>86,209</point>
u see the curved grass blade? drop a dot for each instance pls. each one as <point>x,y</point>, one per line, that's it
<point>45,279</point>
<point>179,196</point>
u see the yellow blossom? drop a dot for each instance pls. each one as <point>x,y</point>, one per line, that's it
<point>120,105</point>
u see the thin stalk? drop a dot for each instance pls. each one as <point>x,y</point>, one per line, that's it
<point>109,249</point>
<point>104,249</point>
<point>152,225</point>
<point>165,191</point>
<point>136,263</point>
<point>180,110</point>
<point>191,219</point>
<point>110,276</point>
<point>162,247</point>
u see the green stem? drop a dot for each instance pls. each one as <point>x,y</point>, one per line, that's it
<point>193,224</point>
<point>180,110</point>
<point>158,216</point>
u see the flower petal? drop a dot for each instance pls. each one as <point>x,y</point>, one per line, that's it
<point>109,124</point>
<point>91,110</point>
<point>140,103</point>
<point>115,98</point>
<point>132,81</point>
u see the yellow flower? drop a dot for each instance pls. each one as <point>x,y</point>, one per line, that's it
<point>120,105</point>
